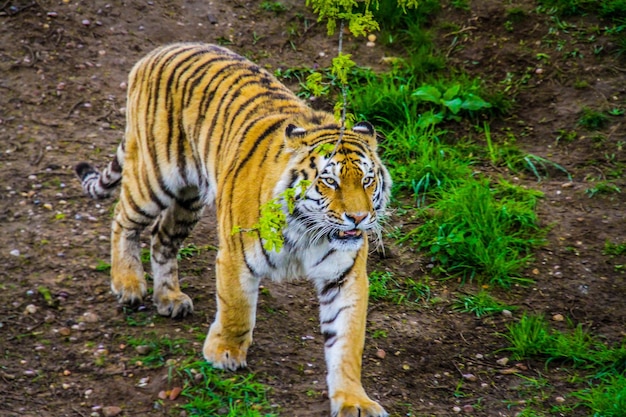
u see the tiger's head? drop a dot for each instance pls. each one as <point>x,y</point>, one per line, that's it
<point>349,189</point>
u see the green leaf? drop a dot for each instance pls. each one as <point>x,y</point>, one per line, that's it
<point>473,102</point>
<point>452,92</point>
<point>428,93</point>
<point>454,105</point>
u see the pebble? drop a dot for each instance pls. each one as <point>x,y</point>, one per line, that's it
<point>468,408</point>
<point>30,309</point>
<point>371,37</point>
<point>380,353</point>
<point>456,409</point>
<point>111,411</point>
<point>174,393</point>
<point>90,317</point>
<point>88,393</point>
<point>370,44</point>
<point>52,14</point>
<point>15,252</point>
<point>507,313</point>
<point>502,361</point>
<point>559,399</point>
<point>470,377</point>
<point>65,331</point>
<point>558,317</point>
<point>143,349</point>
<point>86,22</point>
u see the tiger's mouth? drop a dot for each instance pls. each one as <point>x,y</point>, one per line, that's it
<point>353,234</point>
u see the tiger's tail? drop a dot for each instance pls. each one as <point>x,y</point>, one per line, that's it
<point>101,184</point>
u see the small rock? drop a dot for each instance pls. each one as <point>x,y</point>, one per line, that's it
<point>174,393</point>
<point>143,349</point>
<point>15,252</point>
<point>370,44</point>
<point>86,22</point>
<point>88,393</point>
<point>507,313</point>
<point>502,361</point>
<point>52,14</point>
<point>479,356</point>
<point>111,411</point>
<point>456,409</point>
<point>380,353</point>
<point>558,317</point>
<point>162,395</point>
<point>470,377</point>
<point>371,37</point>
<point>30,309</point>
<point>65,331</point>
<point>90,317</point>
<point>559,399</point>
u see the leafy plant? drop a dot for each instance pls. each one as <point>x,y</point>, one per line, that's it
<point>452,98</point>
<point>273,219</point>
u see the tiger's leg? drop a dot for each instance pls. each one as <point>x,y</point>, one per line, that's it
<point>127,276</point>
<point>230,335</point>
<point>343,310</point>
<point>174,225</point>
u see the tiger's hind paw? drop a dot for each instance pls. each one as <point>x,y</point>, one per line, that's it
<point>347,405</point>
<point>174,304</point>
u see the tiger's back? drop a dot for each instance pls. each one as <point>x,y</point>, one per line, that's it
<point>205,126</point>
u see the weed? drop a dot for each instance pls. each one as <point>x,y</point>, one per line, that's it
<point>592,119</point>
<point>603,187</point>
<point>102,266</point>
<point>481,304</point>
<point>273,6</point>
<point>614,249</point>
<point>157,349</point>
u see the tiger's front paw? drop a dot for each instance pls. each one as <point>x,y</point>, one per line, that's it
<point>173,304</point>
<point>351,405</point>
<point>129,290</point>
<point>224,355</point>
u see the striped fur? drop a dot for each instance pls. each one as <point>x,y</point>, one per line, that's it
<point>207,127</point>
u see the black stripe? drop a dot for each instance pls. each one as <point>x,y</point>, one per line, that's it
<point>335,316</point>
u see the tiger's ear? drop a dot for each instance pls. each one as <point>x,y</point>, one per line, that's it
<point>364,128</point>
<point>294,136</point>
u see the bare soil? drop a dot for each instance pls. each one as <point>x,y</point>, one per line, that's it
<point>63,68</point>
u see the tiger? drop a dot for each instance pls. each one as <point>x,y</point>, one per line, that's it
<point>207,127</point>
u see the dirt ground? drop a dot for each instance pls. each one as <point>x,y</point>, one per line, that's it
<point>63,68</point>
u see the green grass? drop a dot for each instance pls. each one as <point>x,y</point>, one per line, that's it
<point>210,392</point>
<point>533,336</point>
<point>481,304</point>
<point>605,397</point>
<point>477,233</point>
<point>383,286</point>
<point>603,187</point>
<point>604,366</point>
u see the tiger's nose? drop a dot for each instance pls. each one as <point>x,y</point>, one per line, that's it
<point>357,218</point>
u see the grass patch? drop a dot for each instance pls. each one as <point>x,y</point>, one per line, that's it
<point>383,286</point>
<point>211,392</point>
<point>481,235</point>
<point>481,304</point>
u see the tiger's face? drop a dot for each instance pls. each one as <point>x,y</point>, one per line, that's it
<point>349,191</point>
